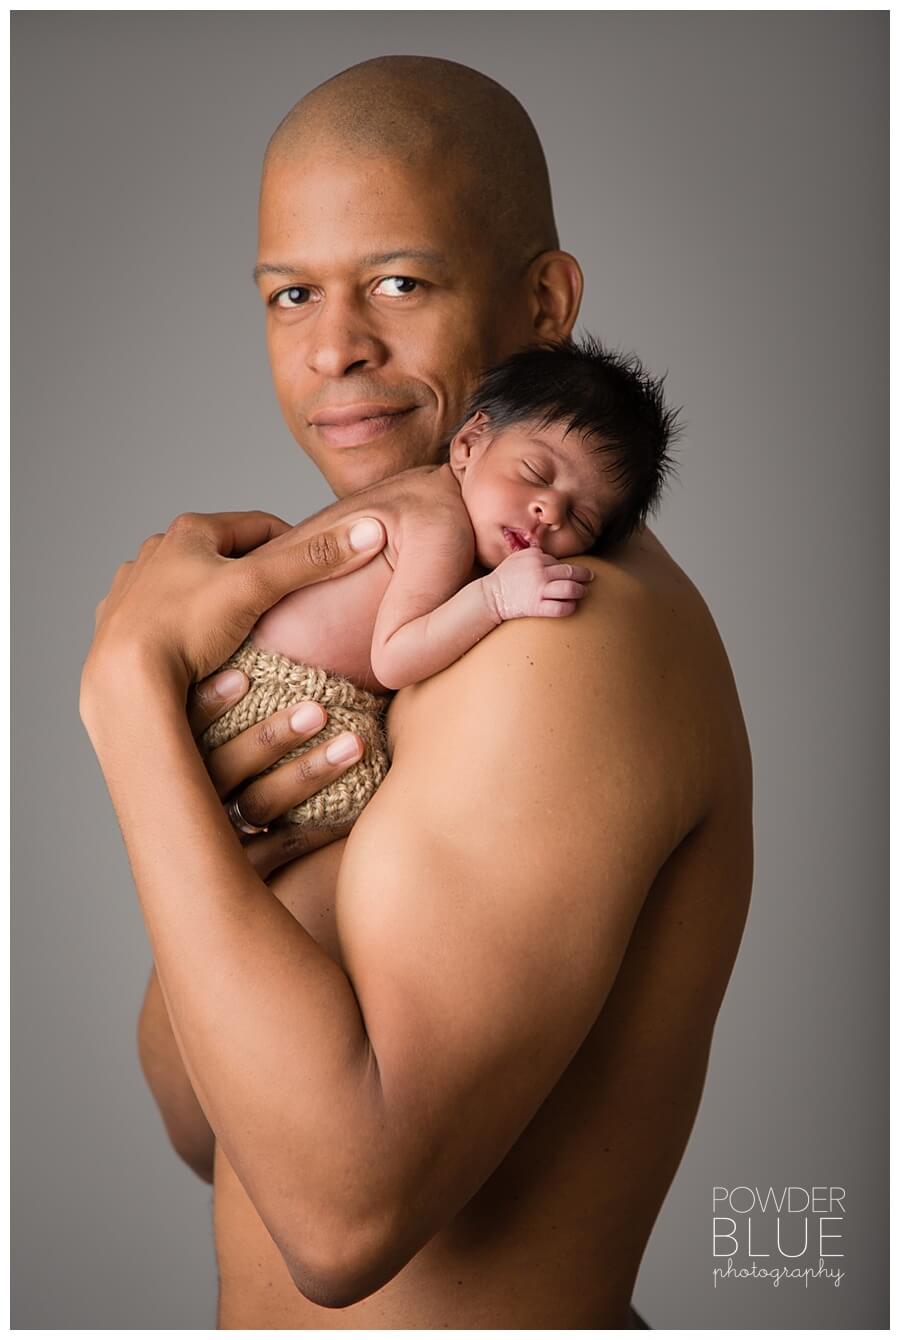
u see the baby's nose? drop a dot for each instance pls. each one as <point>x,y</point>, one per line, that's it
<point>546,509</point>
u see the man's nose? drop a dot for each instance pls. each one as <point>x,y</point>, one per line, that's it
<point>341,341</point>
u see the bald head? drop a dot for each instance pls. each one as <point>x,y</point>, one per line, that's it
<point>435,115</point>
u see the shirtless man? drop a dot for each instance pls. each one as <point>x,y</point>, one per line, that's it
<point>440,1074</point>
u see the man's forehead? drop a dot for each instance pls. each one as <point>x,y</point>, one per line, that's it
<point>427,256</point>
<point>363,211</point>
<point>305,181</point>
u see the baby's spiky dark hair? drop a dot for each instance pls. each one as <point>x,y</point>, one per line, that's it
<point>603,394</point>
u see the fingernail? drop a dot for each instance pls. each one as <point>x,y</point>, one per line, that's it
<point>365,534</point>
<point>232,681</point>
<point>309,716</point>
<point>342,749</point>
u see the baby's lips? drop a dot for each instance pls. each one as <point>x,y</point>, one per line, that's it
<point>522,538</point>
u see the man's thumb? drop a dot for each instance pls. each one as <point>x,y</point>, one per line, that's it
<point>366,534</point>
<point>315,558</point>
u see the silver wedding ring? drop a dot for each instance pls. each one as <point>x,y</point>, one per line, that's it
<point>233,810</point>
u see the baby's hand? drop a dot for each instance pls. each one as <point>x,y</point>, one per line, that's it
<point>530,583</point>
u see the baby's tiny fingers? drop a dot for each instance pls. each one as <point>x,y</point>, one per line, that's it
<point>555,609</point>
<point>572,571</point>
<point>563,590</point>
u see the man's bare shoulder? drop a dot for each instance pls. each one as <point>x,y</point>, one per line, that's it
<point>640,661</point>
<point>642,579</point>
<point>641,612</point>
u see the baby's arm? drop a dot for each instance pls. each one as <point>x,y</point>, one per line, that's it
<point>419,631</point>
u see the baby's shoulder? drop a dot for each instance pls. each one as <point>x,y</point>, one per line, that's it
<point>434,482</point>
<point>430,498</point>
<point>421,509</point>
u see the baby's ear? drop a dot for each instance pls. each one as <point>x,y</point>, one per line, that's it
<point>471,435</point>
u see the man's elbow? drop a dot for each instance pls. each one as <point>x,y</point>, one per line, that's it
<point>200,1161</point>
<point>335,1288</point>
<point>197,1153</point>
<point>348,1272</point>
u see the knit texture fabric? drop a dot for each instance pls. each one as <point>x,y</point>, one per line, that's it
<point>276,682</point>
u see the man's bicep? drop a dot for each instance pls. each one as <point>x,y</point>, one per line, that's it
<point>486,901</point>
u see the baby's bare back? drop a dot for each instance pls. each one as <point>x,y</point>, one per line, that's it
<point>331,624</point>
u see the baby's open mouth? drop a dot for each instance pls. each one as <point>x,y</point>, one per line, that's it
<point>517,539</point>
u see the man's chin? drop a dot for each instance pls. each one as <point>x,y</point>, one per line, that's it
<point>349,469</point>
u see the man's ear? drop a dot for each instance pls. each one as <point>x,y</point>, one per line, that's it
<point>555,285</point>
<point>472,434</point>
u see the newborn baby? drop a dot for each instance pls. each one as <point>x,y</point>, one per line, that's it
<point>563,449</point>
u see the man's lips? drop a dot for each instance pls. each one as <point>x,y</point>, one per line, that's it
<point>354,425</point>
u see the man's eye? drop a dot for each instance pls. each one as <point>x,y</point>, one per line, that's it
<point>296,296</point>
<point>401,286</point>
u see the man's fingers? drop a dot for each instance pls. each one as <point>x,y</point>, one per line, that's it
<point>259,746</point>
<point>268,798</point>
<point>211,697</point>
<point>243,531</point>
<point>313,558</point>
<point>150,545</point>
<point>234,533</point>
<point>270,851</point>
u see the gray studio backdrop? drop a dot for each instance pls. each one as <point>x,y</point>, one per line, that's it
<point>722,178</point>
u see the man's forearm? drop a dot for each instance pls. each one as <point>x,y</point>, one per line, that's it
<point>268,1024</point>
<point>163,1068</point>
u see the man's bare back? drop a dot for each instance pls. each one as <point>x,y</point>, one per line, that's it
<point>555,1235</point>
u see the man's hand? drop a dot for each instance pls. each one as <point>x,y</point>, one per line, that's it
<point>531,583</point>
<point>241,759</point>
<point>192,595</point>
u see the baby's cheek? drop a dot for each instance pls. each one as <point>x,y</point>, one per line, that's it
<point>486,548</point>
<point>570,543</point>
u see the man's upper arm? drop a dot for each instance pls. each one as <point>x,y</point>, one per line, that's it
<point>489,891</point>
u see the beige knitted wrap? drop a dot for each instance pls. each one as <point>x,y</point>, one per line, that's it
<point>276,682</point>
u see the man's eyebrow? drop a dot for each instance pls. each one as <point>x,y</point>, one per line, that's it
<point>423,254</point>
